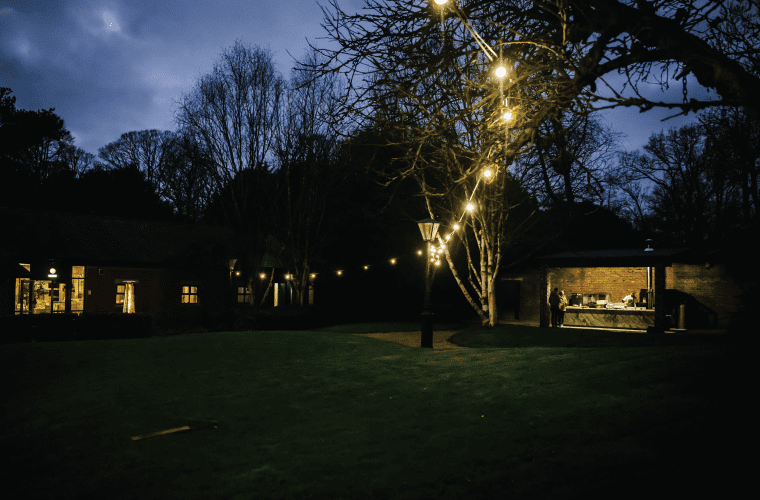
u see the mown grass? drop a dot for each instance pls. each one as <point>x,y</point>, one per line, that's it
<point>326,414</point>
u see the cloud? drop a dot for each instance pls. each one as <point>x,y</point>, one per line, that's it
<point>113,66</point>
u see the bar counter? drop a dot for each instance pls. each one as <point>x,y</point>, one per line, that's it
<point>635,318</point>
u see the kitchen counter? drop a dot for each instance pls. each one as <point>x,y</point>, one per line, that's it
<point>635,318</point>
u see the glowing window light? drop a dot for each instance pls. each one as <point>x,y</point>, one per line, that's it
<point>501,72</point>
<point>470,207</point>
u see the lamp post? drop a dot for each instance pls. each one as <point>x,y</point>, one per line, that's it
<point>428,228</point>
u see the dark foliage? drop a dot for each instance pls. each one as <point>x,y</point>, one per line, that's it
<point>64,327</point>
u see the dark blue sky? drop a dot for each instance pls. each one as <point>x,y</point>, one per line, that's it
<point>114,66</point>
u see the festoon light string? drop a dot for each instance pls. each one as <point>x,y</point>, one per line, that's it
<point>500,72</point>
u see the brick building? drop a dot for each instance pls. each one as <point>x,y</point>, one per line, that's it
<point>59,262</point>
<point>596,281</point>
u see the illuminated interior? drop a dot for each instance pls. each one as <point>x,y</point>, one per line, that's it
<point>190,295</point>
<point>129,298</point>
<point>49,296</point>
<point>77,289</point>
<point>242,294</point>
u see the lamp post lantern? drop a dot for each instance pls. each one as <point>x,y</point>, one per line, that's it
<point>428,228</point>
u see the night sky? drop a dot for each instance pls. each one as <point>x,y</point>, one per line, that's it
<point>110,67</point>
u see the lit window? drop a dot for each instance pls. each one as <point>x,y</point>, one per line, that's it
<point>243,294</point>
<point>77,289</point>
<point>120,294</point>
<point>189,294</point>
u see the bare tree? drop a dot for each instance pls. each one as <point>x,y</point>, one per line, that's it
<point>310,170</point>
<point>677,165</point>
<point>733,142</point>
<point>77,159</point>
<point>570,162</point>
<point>233,113</point>
<point>143,150</point>
<point>186,176</point>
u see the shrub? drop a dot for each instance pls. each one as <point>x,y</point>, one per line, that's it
<point>70,326</point>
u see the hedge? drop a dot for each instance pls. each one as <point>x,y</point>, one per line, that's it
<point>63,326</point>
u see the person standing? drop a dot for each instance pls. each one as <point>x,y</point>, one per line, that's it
<point>554,301</point>
<point>562,308</point>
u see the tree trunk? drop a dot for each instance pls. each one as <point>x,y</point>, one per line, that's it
<point>269,287</point>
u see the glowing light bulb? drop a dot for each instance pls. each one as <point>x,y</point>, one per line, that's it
<point>507,115</point>
<point>447,237</point>
<point>366,267</point>
<point>470,207</point>
<point>312,275</point>
<point>441,2</point>
<point>501,72</point>
<point>340,272</point>
<point>456,226</point>
<point>438,263</point>
<point>419,252</point>
<point>237,273</point>
<point>393,261</point>
<point>487,173</point>
<point>262,275</point>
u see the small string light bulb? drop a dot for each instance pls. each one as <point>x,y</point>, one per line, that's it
<point>441,2</point>
<point>393,261</point>
<point>447,237</point>
<point>419,252</point>
<point>470,207</point>
<point>262,275</point>
<point>487,173</point>
<point>501,72</point>
<point>456,226</point>
<point>340,272</point>
<point>507,115</point>
<point>366,267</point>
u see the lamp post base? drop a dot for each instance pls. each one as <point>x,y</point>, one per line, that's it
<point>427,329</point>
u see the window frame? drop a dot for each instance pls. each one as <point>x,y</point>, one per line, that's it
<point>189,294</point>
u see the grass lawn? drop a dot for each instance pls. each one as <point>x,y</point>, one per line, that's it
<point>527,413</point>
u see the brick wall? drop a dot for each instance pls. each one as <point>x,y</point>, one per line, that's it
<point>709,286</point>
<point>617,281</point>
<point>159,292</point>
